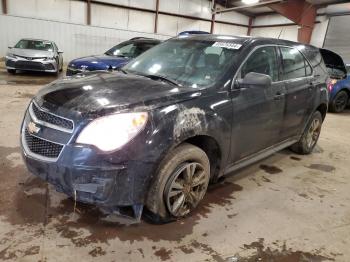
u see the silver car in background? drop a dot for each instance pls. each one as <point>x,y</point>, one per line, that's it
<point>34,55</point>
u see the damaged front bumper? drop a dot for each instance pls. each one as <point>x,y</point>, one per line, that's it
<point>114,182</point>
<point>113,189</point>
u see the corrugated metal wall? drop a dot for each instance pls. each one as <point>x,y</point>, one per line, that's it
<point>338,37</point>
<point>64,21</point>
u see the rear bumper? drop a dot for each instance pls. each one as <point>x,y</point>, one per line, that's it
<point>27,65</point>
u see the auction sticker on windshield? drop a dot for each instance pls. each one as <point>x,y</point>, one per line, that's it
<point>227,45</point>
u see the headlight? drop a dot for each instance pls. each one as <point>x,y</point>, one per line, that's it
<point>10,55</point>
<point>48,58</point>
<point>112,132</point>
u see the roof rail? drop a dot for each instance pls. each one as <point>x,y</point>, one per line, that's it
<point>141,37</point>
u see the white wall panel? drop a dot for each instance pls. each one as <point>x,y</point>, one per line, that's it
<point>196,8</point>
<point>319,32</point>
<point>190,7</point>
<point>118,2</point>
<point>107,16</point>
<point>167,25</point>
<point>63,10</point>
<point>141,21</point>
<point>171,25</point>
<point>78,12</point>
<point>233,17</point>
<point>73,40</point>
<point>271,20</point>
<point>22,8</point>
<point>224,29</point>
<point>147,4</point>
<point>170,6</point>
<point>285,32</point>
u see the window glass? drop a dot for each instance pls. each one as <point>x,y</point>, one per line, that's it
<point>263,61</point>
<point>130,49</point>
<point>293,63</point>
<point>34,44</point>
<point>194,63</point>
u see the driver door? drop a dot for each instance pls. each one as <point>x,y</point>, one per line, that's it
<point>257,110</point>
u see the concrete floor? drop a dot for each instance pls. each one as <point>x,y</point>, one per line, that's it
<point>285,208</point>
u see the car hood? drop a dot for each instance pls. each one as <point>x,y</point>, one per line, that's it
<point>108,92</point>
<point>100,62</point>
<point>31,52</point>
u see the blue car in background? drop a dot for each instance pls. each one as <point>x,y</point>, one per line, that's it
<point>339,93</point>
<point>339,84</point>
<point>114,58</point>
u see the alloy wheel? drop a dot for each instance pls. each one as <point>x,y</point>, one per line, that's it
<point>186,188</point>
<point>313,133</point>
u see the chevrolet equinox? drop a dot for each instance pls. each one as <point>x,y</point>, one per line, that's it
<point>151,136</point>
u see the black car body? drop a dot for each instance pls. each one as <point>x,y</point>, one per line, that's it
<point>239,107</point>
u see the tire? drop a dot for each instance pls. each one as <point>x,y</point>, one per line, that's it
<point>181,183</point>
<point>339,102</point>
<point>58,68</point>
<point>11,71</point>
<point>310,135</point>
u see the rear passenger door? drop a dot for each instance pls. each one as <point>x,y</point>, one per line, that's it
<point>297,76</point>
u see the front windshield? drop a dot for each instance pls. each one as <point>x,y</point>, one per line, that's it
<point>130,49</point>
<point>191,63</point>
<point>35,44</point>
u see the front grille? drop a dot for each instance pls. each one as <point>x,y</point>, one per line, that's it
<point>28,65</point>
<point>42,147</point>
<point>52,119</point>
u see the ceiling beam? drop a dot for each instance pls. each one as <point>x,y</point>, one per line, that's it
<point>301,13</point>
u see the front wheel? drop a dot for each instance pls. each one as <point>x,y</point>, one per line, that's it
<point>181,184</point>
<point>310,136</point>
<point>339,102</point>
<point>11,71</point>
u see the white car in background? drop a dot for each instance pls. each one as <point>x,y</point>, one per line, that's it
<point>34,55</point>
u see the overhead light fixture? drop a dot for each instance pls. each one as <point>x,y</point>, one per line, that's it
<point>250,2</point>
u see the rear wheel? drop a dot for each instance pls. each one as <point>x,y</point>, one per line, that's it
<point>339,102</point>
<point>181,184</point>
<point>11,71</point>
<point>310,136</point>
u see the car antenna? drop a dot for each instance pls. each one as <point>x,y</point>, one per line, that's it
<point>280,33</point>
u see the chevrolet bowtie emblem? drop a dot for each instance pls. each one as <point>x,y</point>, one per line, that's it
<point>33,128</point>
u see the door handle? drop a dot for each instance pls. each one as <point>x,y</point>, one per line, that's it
<point>278,96</point>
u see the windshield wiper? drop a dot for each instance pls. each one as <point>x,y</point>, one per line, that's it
<point>163,78</point>
<point>122,70</point>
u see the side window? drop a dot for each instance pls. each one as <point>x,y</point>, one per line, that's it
<point>294,64</point>
<point>263,61</point>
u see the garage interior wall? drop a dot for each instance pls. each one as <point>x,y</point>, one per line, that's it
<point>267,26</point>
<point>64,21</point>
<point>337,39</point>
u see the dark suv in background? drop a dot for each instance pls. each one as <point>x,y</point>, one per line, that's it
<point>114,58</point>
<point>184,113</point>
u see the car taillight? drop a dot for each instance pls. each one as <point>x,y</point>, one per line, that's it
<point>330,84</point>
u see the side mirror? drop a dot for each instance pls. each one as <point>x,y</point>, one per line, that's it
<point>255,79</point>
<point>10,47</point>
<point>60,52</point>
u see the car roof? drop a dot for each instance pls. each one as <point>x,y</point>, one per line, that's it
<point>240,39</point>
<point>145,39</point>
<point>35,39</point>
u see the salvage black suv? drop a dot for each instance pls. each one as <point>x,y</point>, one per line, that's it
<point>188,111</point>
